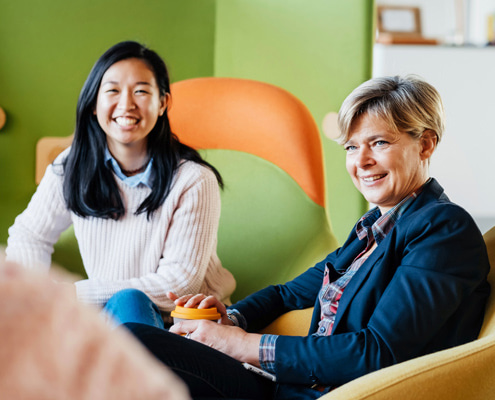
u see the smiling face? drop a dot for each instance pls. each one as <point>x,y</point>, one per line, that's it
<point>129,104</point>
<point>386,166</point>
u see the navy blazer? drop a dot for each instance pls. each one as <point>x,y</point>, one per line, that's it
<point>423,289</point>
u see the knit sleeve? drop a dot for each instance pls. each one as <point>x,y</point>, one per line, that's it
<point>189,263</point>
<point>39,226</point>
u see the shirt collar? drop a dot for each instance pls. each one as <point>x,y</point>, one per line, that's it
<point>146,177</point>
<point>380,224</point>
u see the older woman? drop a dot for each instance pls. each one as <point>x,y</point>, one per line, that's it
<point>409,280</point>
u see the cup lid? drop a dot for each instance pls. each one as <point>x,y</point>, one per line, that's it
<point>195,313</point>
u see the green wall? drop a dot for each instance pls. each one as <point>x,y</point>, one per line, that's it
<point>317,49</point>
<point>46,51</point>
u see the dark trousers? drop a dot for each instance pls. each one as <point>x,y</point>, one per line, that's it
<point>207,372</point>
<point>211,374</point>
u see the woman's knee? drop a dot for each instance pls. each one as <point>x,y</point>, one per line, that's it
<point>126,296</point>
<point>132,305</point>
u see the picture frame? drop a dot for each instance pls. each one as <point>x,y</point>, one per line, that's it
<point>399,20</point>
<point>400,25</point>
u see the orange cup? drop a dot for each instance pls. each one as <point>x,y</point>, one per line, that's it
<point>186,313</point>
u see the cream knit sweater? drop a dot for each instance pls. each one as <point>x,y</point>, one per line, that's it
<point>174,251</point>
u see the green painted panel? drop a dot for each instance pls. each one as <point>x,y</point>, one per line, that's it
<point>319,50</point>
<point>47,49</point>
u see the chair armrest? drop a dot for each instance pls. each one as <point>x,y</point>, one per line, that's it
<point>462,372</point>
<point>293,323</point>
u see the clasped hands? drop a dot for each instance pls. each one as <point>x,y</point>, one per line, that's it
<point>223,336</point>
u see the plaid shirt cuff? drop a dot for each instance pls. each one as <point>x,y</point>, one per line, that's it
<point>237,318</point>
<point>267,352</point>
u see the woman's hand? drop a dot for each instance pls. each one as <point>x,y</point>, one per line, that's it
<point>230,340</point>
<point>195,301</point>
<point>201,301</point>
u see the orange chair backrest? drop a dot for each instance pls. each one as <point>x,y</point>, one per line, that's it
<point>253,117</point>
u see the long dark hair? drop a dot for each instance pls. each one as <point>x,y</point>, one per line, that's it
<point>90,189</point>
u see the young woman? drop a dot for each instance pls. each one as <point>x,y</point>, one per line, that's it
<point>145,207</point>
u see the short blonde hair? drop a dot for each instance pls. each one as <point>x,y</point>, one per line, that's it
<point>407,104</point>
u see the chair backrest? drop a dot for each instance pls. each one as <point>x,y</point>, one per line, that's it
<point>267,147</point>
<point>489,320</point>
<point>47,150</point>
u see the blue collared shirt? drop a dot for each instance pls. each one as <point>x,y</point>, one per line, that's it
<point>146,177</point>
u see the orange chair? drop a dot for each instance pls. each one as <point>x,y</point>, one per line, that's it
<point>267,147</point>
<point>252,117</point>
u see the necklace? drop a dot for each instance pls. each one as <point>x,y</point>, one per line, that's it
<point>134,171</point>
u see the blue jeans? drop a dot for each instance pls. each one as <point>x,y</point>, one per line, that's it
<point>133,306</point>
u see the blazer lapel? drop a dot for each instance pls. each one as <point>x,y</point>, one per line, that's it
<point>432,191</point>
